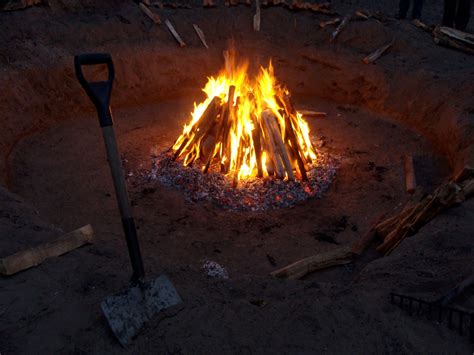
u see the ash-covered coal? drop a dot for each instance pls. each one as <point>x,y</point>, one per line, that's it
<point>256,194</point>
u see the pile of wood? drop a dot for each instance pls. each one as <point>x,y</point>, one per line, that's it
<point>449,37</point>
<point>415,215</point>
<point>210,139</point>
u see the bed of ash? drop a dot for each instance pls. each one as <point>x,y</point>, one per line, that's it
<point>256,194</point>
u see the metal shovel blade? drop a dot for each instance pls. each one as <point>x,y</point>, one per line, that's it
<point>129,310</point>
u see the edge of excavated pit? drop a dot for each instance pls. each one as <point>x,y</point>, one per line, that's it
<point>143,76</point>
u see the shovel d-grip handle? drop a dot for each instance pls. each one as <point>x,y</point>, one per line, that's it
<point>100,93</point>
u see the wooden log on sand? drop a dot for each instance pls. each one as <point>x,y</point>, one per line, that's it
<point>151,15</point>
<point>175,34</point>
<point>201,36</point>
<point>320,261</point>
<point>377,53</point>
<point>339,28</point>
<point>32,257</point>
<point>256,17</point>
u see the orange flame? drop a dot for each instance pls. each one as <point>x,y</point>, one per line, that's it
<point>251,98</point>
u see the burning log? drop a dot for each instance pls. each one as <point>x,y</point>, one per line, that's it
<point>377,53</point>
<point>339,28</point>
<point>268,130</point>
<point>305,266</point>
<point>246,139</point>
<point>410,177</point>
<point>154,17</point>
<point>32,257</point>
<point>256,17</point>
<point>201,36</point>
<point>175,34</point>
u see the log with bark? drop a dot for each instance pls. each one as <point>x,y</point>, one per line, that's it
<point>32,257</point>
<point>316,262</point>
<point>377,53</point>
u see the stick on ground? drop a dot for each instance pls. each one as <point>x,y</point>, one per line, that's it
<point>377,53</point>
<point>201,36</point>
<point>32,257</point>
<point>154,17</point>
<point>303,267</point>
<point>175,34</point>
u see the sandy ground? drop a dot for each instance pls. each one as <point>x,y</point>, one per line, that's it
<point>416,99</point>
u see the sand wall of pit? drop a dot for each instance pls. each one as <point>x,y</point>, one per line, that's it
<point>38,98</point>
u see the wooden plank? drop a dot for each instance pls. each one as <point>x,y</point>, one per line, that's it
<point>175,34</point>
<point>320,261</point>
<point>201,36</point>
<point>154,17</point>
<point>32,257</point>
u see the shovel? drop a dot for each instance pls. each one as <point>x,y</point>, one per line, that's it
<point>130,309</point>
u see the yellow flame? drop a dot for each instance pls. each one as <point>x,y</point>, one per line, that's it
<point>250,100</point>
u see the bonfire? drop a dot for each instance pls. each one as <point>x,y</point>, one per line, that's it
<point>246,128</point>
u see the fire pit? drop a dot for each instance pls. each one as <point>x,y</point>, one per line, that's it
<point>246,146</point>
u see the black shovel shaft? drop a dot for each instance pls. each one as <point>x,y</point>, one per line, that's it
<point>100,93</point>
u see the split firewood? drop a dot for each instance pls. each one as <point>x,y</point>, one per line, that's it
<point>201,36</point>
<point>412,218</point>
<point>339,28</point>
<point>267,117</point>
<point>305,266</point>
<point>335,21</point>
<point>281,149</point>
<point>363,243</point>
<point>309,113</point>
<point>456,39</point>
<point>410,177</point>
<point>175,34</point>
<point>154,17</point>
<point>32,257</point>
<point>256,17</point>
<point>456,291</point>
<point>377,53</point>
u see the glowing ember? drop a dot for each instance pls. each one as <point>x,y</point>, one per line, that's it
<point>246,128</point>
